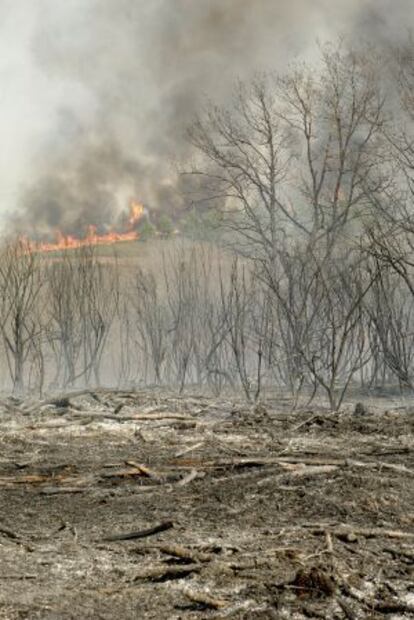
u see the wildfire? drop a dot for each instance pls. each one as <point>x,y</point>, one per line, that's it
<point>136,211</point>
<point>67,242</point>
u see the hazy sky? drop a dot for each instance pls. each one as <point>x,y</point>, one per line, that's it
<point>95,93</point>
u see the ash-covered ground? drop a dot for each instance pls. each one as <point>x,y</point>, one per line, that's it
<point>145,505</point>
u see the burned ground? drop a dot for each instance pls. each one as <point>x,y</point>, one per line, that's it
<point>263,513</point>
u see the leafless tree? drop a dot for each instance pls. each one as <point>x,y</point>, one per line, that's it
<point>21,287</point>
<point>312,176</point>
<point>339,346</point>
<point>150,321</point>
<point>124,354</point>
<point>245,310</point>
<point>83,297</point>
<point>294,153</point>
<point>320,301</point>
<point>299,160</point>
<point>208,322</point>
<point>391,310</point>
<point>98,300</point>
<point>290,280</point>
<point>64,312</point>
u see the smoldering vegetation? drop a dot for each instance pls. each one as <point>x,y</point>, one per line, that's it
<point>308,287</point>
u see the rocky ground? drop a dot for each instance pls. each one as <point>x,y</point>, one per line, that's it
<point>144,505</point>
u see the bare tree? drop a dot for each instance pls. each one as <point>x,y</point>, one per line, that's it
<point>390,307</point>
<point>290,280</point>
<point>64,312</point>
<point>123,353</point>
<point>150,321</point>
<point>293,154</point>
<point>98,300</point>
<point>21,286</point>
<point>300,160</point>
<point>83,298</point>
<point>245,311</point>
<point>320,300</point>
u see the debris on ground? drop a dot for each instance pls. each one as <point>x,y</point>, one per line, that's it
<point>149,505</point>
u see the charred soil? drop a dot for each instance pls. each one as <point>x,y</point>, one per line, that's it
<point>146,505</point>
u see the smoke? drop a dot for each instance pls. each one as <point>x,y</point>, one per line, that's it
<point>105,89</point>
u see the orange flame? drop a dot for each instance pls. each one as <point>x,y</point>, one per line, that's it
<point>67,242</point>
<point>136,211</point>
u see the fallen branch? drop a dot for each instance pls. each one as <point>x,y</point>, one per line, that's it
<point>345,530</point>
<point>160,416</point>
<point>184,553</point>
<point>234,611</point>
<point>8,532</point>
<point>254,462</point>
<point>52,401</point>
<point>382,606</point>
<point>393,607</point>
<point>189,449</point>
<point>144,470</point>
<point>57,424</point>
<point>29,479</point>
<point>305,422</point>
<point>381,465</point>
<point>349,613</point>
<point>329,544</point>
<point>61,490</point>
<point>162,527</point>
<point>166,572</point>
<point>12,408</point>
<point>314,466</point>
<point>298,472</point>
<point>130,418</point>
<point>300,469</point>
<point>202,598</point>
<point>189,478</point>
<point>131,472</point>
<point>404,553</point>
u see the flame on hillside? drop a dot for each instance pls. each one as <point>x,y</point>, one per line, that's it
<point>92,237</point>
